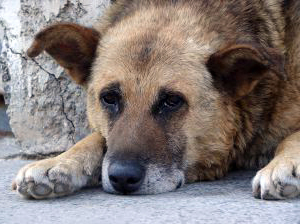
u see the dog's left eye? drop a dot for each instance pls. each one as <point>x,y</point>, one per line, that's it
<point>172,101</point>
<point>167,103</point>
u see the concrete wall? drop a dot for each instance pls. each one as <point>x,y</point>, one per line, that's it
<point>1,87</point>
<point>47,111</point>
<point>1,71</point>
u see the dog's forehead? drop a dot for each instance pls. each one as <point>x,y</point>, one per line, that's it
<point>148,61</point>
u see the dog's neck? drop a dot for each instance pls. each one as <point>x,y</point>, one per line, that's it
<point>254,138</point>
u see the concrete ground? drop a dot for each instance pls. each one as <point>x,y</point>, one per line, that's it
<point>225,201</point>
<point>4,123</point>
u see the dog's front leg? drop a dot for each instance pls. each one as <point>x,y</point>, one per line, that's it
<point>78,167</point>
<point>280,179</point>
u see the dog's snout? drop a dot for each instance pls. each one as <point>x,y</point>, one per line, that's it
<point>126,176</point>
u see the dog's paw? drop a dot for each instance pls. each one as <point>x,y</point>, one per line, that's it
<point>280,179</point>
<point>50,178</point>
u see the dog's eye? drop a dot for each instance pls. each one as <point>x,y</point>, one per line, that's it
<point>172,101</point>
<point>167,103</point>
<point>111,100</point>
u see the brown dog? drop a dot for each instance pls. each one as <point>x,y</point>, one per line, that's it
<point>179,91</point>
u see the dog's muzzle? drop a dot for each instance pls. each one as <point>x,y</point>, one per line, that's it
<point>124,175</point>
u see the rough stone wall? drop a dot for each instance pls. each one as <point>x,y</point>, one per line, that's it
<point>46,110</point>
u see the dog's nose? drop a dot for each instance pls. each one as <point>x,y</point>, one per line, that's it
<point>126,176</point>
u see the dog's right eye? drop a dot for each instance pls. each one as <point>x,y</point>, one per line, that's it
<point>111,101</point>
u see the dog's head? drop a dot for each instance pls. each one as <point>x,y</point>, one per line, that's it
<point>161,96</point>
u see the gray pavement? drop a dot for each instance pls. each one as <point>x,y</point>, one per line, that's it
<point>9,147</point>
<point>226,201</point>
<point>4,122</point>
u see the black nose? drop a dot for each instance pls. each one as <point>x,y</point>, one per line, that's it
<point>126,176</point>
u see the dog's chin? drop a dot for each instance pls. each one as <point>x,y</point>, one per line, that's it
<point>157,180</point>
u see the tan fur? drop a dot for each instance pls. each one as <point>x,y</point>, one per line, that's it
<point>235,64</point>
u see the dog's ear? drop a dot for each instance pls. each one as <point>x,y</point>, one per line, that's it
<point>237,69</point>
<point>71,45</point>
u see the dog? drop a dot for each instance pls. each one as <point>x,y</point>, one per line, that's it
<point>179,91</point>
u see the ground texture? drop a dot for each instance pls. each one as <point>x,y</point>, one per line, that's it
<point>225,201</point>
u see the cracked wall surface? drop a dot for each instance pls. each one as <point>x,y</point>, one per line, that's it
<point>46,109</point>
